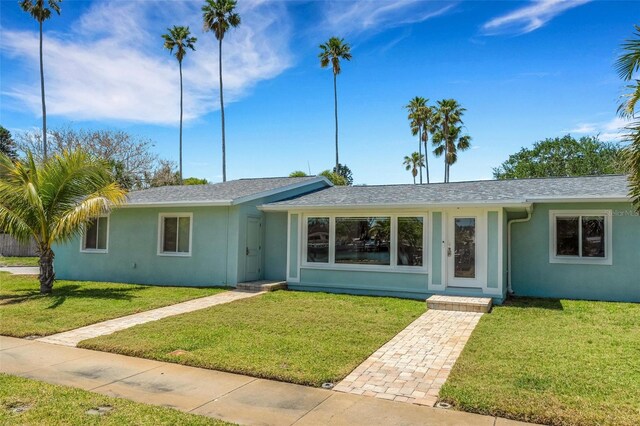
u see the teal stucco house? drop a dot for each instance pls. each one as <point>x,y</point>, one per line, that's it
<point>576,237</point>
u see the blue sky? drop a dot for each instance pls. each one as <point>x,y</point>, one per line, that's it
<point>523,70</point>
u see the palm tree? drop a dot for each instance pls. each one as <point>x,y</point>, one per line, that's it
<point>420,120</point>
<point>52,201</point>
<point>414,162</point>
<point>332,52</point>
<point>179,38</point>
<point>627,66</point>
<point>447,129</point>
<point>40,12</point>
<point>219,16</point>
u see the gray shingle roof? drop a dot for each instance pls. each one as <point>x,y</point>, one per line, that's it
<point>519,191</point>
<point>225,193</point>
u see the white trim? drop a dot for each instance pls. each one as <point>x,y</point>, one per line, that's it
<point>500,249</point>
<point>393,206</point>
<point>161,217</point>
<point>579,259</point>
<point>83,249</point>
<point>481,255</point>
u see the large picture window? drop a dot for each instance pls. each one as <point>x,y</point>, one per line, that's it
<point>96,234</point>
<point>580,237</point>
<point>410,241</point>
<point>175,234</point>
<point>318,239</point>
<point>363,240</point>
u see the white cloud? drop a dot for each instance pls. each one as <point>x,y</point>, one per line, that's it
<point>608,131</point>
<point>531,17</point>
<point>111,64</point>
<point>346,17</point>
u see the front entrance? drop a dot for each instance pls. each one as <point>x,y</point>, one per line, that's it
<point>253,258</point>
<point>466,249</point>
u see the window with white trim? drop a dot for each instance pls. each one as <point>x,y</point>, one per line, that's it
<point>580,236</point>
<point>95,235</point>
<point>175,234</point>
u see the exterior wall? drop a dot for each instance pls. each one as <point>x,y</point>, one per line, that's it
<point>533,274</point>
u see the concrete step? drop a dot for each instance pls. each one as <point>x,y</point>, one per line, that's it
<point>262,285</point>
<point>458,303</point>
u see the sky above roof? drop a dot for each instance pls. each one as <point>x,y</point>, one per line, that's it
<point>524,71</point>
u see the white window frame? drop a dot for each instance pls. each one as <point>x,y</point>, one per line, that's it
<point>83,238</point>
<point>579,259</point>
<point>393,248</point>
<point>161,218</point>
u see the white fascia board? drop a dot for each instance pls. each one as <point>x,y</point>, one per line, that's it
<point>492,204</point>
<point>593,199</point>
<point>167,204</point>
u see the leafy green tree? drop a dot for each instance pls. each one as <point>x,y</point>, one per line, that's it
<point>164,175</point>
<point>563,156</point>
<point>7,144</point>
<point>331,53</point>
<point>334,178</point>
<point>194,181</point>
<point>52,201</point>
<point>344,171</point>
<point>447,133</point>
<point>219,16</point>
<point>179,38</point>
<point>421,121</point>
<point>413,163</point>
<point>298,173</point>
<point>40,12</point>
<point>627,66</point>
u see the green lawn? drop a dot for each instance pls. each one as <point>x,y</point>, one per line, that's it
<point>30,402</point>
<point>73,304</point>
<point>299,337</point>
<point>553,362</point>
<point>18,261</point>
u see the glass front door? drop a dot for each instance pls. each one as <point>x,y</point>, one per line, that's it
<point>464,238</point>
<point>466,241</point>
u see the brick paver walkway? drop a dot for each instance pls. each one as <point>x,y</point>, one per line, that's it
<point>413,366</point>
<point>73,337</point>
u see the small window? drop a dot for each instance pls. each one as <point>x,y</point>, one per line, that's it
<point>363,240</point>
<point>318,240</point>
<point>95,235</point>
<point>581,237</point>
<point>175,234</point>
<point>410,241</point>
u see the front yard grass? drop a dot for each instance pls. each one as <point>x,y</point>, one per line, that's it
<point>299,337</point>
<point>556,362</point>
<point>31,402</point>
<point>25,312</point>
<point>18,261</point>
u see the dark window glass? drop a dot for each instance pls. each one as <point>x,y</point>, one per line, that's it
<point>102,233</point>
<point>465,247</point>
<point>91,235</point>
<point>567,236</point>
<point>363,240</point>
<point>318,239</point>
<point>593,236</point>
<point>170,234</point>
<point>410,236</point>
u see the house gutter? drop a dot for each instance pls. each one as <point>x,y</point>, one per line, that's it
<point>529,210</point>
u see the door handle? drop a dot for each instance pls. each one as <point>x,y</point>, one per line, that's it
<point>247,251</point>
<point>449,251</point>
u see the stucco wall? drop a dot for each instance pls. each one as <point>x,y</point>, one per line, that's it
<point>533,275</point>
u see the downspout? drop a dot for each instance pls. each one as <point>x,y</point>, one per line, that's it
<point>509,223</point>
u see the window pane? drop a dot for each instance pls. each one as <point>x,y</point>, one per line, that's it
<point>567,236</point>
<point>91,235</point>
<point>363,240</point>
<point>318,239</point>
<point>410,232</point>
<point>593,236</point>
<point>102,233</point>
<point>465,247</point>
<point>183,240</point>
<point>170,234</point>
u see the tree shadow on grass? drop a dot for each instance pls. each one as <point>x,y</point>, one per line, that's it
<point>532,302</point>
<point>73,291</point>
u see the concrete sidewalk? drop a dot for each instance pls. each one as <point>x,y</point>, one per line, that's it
<point>21,270</point>
<point>231,397</point>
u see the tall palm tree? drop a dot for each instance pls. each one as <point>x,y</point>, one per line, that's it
<point>40,12</point>
<point>447,129</point>
<point>420,120</point>
<point>52,201</point>
<point>627,66</point>
<point>219,16</point>
<point>332,52</point>
<point>179,38</point>
<point>413,162</point>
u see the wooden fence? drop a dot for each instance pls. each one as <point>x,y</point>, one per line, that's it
<point>10,247</point>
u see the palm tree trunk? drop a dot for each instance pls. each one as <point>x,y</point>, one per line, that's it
<point>44,108</point>
<point>224,150</point>
<point>335,105</point>
<point>180,64</point>
<point>426,156</point>
<point>47,275</point>
<point>420,151</point>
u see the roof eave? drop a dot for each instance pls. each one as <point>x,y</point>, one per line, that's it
<point>280,189</point>
<point>219,203</point>
<point>394,206</point>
